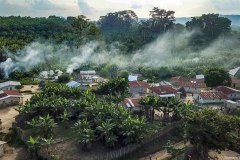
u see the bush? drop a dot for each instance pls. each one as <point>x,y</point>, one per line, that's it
<point>64,78</point>
<point>19,87</point>
<point>29,81</point>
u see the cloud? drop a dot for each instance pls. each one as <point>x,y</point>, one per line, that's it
<point>229,5</point>
<point>7,8</point>
<point>136,6</point>
<point>84,7</point>
<point>43,4</point>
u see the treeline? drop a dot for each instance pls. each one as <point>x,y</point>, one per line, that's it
<point>126,27</point>
<point>17,32</point>
<point>122,26</point>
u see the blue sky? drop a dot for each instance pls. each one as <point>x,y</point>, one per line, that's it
<point>93,9</point>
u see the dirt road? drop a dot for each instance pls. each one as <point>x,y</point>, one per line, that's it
<point>7,115</point>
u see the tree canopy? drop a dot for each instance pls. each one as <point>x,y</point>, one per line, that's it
<point>217,76</point>
<point>211,25</point>
<point>210,130</point>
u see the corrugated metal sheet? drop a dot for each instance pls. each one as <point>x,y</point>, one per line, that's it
<point>73,84</point>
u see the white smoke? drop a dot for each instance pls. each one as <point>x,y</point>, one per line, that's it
<point>170,49</point>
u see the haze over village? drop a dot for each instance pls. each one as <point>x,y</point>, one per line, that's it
<point>111,79</point>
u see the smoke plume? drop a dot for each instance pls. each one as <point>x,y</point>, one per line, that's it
<point>170,49</point>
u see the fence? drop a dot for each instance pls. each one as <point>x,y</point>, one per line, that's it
<point>123,151</point>
<point>133,147</point>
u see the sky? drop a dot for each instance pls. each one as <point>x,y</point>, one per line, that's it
<point>93,9</point>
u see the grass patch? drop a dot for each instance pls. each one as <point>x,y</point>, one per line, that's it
<point>64,130</point>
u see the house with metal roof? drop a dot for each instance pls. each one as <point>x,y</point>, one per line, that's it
<point>235,83</point>
<point>193,86</point>
<point>210,97</point>
<point>164,91</point>
<point>176,81</point>
<point>10,98</point>
<point>138,88</point>
<point>132,78</point>
<point>231,93</point>
<point>132,104</point>
<point>9,85</point>
<point>235,72</point>
<point>73,84</point>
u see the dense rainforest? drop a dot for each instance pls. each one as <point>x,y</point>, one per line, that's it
<point>128,33</point>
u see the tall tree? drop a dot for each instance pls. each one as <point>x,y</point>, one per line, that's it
<point>210,130</point>
<point>121,20</point>
<point>161,19</point>
<point>217,76</point>
<point>211,25</point>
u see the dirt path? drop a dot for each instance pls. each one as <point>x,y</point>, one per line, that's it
<point>7,115</point>
<point>225,155</point>
<point>15,154</point>
<point>163,154</point>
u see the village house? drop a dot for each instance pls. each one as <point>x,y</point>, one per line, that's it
<point>9,85</point>
<point>132,78</point>
<point>235,72</point>
<point>165,83</point>
<point>88,77</point>
<point>231,93</point>
<point>176,81</point>
<point>10,98</point>
<point>235,83</point>
<point>50,75</point>
<point>200,78</point>
<point>229,104</point>
<point>132,104</point>
<point>209,97</point>
<point>164,91</point>
<point>138,88</point>
<point>193,86</point>
<point>74,84</point>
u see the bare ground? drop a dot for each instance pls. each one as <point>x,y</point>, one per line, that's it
<point>7,116</point>
<point>71,150</point>
<point>164,155</point>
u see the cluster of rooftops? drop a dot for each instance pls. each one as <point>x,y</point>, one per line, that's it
<point>178,87</point>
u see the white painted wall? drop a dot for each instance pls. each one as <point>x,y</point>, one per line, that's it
<point>10,101</point>
<point>234,96</point>
<point>8,88</point>
<point>207,101</point>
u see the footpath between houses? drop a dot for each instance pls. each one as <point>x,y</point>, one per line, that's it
<point>59,147</point>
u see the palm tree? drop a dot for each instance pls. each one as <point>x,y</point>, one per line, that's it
<point>149,103</point>
<point>45,125</point>
<point>105,131</point>
<point>34,145</point>
<point>111,140</point>
<point>84,133</point>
